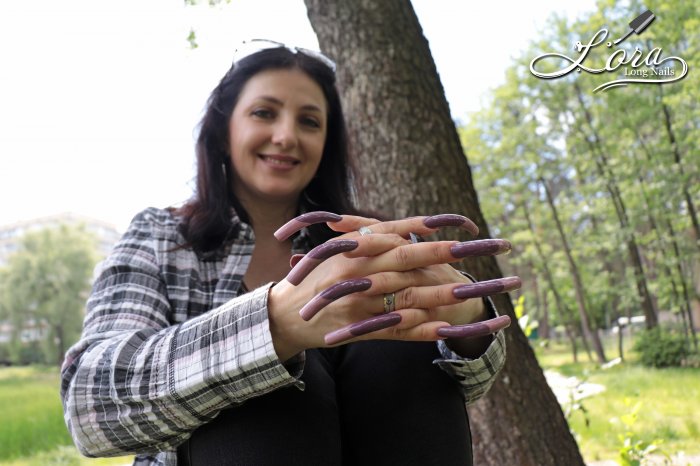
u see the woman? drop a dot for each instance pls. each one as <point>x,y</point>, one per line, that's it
<point>193,336</point>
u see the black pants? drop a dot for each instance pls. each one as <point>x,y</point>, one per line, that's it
<point>367,403</point>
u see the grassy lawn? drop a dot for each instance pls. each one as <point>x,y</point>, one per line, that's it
<point>32,431</point>
<point>668,404</point>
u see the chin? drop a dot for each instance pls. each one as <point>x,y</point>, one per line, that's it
<point>280,195</point>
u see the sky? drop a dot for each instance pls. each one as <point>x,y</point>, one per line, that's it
<point>99,99</point>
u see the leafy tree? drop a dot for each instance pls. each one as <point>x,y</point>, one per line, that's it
<point>45,285</point>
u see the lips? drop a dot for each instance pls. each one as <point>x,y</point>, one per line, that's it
<point>279,160</point>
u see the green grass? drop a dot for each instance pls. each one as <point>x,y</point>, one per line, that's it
<point>29,400</point>
<point>32,430</point>
<point>668,397</point>
<point>33,433</point>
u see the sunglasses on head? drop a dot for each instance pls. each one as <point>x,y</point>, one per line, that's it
<point>252,46</point>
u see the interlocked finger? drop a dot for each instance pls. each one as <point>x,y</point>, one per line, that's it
<point>351,223</point>
<point>417,297</point>
<point>477,329</point>
<point>418,255</point>
<point>420,225</point>
<point>368,246</point>
<point>430,297</point>
<point>389,327</point>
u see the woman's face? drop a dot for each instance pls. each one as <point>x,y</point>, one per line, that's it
<point>277,134</point>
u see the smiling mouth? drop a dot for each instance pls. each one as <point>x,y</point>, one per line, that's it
<point>283,161</point>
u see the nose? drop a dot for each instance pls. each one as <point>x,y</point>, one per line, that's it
<point>285,133</point>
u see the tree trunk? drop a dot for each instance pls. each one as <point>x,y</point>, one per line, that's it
<point>677,159</point>
<point>620,344</point>
<point>578,284</point>
<point>572,338</point>
<point>604,171</point>
<point>60,344</point>
<point>412,163</point>
<point>541,306</point>
<point>687,306</point>
<point>564,312</point>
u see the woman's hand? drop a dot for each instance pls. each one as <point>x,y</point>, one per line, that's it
<point>340,286</point>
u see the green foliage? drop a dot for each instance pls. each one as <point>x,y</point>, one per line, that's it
<point>524,320</point>
<point>43,291</point>
<point>641,141</point>
<point>661,348</point>
<point>633,450</point>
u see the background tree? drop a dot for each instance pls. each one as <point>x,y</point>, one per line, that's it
<point>45,285</point>
<point>412,163</point>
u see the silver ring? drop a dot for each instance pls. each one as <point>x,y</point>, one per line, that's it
<point>364,231</point>
<point>389,302</point>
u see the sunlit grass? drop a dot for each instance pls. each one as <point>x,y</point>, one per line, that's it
<point>32,431</point>
<point>668,397</point>
<point>31,408</point>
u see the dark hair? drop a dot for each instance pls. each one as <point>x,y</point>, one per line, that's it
<point>206,218</point>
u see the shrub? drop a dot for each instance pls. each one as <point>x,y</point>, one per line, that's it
<point>661,348</point>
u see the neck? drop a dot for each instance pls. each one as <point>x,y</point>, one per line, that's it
<point>267,216</point>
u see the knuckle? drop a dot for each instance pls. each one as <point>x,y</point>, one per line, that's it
<point>397,239</point>
<point>402,256</point>
<point>380,282</point>
<point>437,253</point>
<point>407,298</point>
<point>426,334</point>
<point>395,333</point>
<point>440,296</point>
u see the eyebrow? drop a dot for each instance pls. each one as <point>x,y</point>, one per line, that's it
<point>274,100</point>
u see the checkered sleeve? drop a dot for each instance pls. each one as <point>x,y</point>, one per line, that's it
<point>136,383</point>
<point>475,375</point>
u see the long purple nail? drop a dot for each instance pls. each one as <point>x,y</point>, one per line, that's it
<point>451,220</point>
<point>304,220</point>
<point>317,255</point>
<point>487,288</point>
<point>332,293</point>
<point>360,328</point>
<point>478,329</point>
<point>482,247</point>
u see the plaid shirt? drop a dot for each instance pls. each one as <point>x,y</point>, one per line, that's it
<point>168,342</point>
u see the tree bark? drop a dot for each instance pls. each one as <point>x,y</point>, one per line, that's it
<point>412,163</point>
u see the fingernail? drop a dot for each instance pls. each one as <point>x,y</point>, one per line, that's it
<point>451,220</point>
<point>361,328</point>
<point>478,329</point>
<point>487,288</point>
<point>304,220</point>
<point>317,255</point>
<point>482,247</point>
<point>294,260</point>
<point>332,293</point>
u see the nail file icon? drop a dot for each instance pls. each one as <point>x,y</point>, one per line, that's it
<point>638,25</point>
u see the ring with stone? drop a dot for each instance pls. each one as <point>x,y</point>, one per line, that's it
<point>364,231</point>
